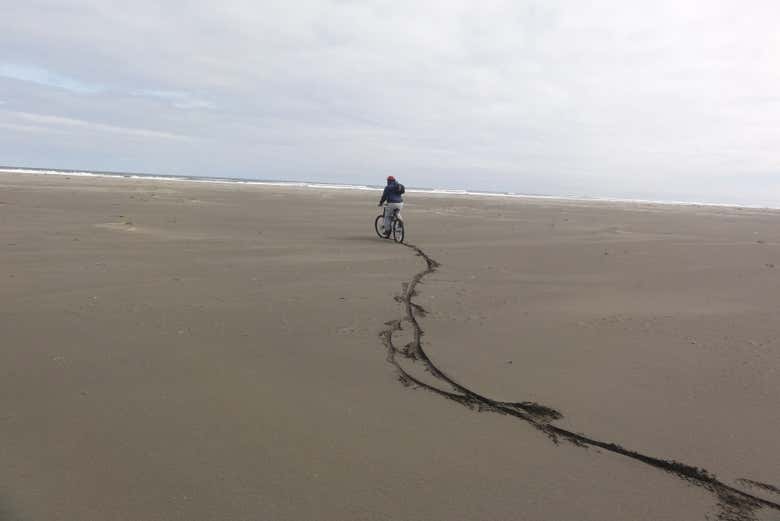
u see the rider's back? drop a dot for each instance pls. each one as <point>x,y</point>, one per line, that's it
<point>393,192</point>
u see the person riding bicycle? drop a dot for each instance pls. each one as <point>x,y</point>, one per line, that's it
<point>393,195</point>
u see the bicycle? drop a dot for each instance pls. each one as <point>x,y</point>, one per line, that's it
<point>396,225</point>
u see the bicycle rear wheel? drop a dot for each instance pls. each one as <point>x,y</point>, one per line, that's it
<point>398,230</point>
<point>379,225</point>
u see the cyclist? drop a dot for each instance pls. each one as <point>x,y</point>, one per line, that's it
<point>393,195</point>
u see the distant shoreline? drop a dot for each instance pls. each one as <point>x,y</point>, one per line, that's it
<point>342,186</point>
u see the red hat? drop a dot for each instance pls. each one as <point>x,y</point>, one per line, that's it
<point>390,178</point>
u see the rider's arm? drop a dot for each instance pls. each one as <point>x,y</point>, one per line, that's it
<point>384,197</point>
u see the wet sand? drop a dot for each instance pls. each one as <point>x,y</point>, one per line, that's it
<point>197,351</point>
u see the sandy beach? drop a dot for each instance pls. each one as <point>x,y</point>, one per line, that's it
<point>176,350</point>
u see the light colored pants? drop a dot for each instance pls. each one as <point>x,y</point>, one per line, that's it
<point>389,209</point>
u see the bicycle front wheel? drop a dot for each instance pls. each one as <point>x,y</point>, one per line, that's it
<point>379,225</point>
<point>398,231</point>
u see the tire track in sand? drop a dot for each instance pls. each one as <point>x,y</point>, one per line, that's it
<point>734,504</point>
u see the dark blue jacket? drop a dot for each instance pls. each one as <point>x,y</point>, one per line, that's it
<point>391,194</point>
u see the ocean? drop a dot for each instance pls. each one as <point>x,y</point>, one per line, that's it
<point>341,186</point>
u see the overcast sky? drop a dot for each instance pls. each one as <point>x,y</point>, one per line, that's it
<point>658,99</point>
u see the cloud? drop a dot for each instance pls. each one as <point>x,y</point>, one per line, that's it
<point>180,100</point>
<point>50,123</point>
<point>674,99</point>
<point>41,76</point>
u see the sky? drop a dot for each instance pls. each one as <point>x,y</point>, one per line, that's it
<point>672,100</point>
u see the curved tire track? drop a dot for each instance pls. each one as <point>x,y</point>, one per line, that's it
<point>734,504</point>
